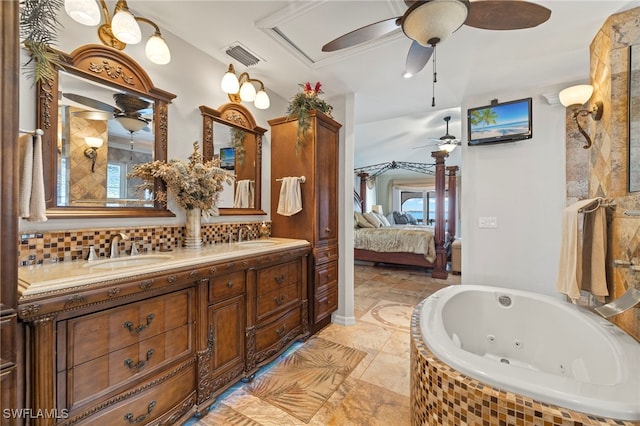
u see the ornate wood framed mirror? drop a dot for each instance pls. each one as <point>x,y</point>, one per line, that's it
<point>100,116</point>
<point>230,133</point>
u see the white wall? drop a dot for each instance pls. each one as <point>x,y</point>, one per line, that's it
<point>523,185</point>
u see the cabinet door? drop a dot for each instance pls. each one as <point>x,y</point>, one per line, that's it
<point>326,184</point>
<point>226,323</point>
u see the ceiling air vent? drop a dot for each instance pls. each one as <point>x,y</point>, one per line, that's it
<point>242,55</point>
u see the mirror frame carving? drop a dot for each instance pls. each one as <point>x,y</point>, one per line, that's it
<point>112,68</point>
<point>234,115</point>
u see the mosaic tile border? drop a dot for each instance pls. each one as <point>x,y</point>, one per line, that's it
<point>59,246</point>
<point>441,395</point>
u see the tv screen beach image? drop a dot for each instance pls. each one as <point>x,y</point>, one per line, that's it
<point>499,121</point>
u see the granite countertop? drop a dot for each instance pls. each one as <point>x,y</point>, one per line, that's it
<point>35,279</point>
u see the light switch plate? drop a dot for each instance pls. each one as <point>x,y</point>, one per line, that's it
<point>487,222</point>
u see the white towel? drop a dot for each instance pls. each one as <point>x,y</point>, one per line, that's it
<point>32,204</point>
<point>290,201</point>
<point>569,279</point>
<point>244,194</point>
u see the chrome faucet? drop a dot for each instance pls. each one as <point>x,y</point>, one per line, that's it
<point>246,228</point>
<point>115,241</point>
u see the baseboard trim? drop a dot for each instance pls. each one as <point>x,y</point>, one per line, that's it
<point>342,320</point>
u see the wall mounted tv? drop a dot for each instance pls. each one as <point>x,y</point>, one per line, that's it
<point>500,122</point>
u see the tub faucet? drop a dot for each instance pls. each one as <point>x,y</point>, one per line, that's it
<point>246,228</point>
<point>628,300</point>
<point>113,245</point>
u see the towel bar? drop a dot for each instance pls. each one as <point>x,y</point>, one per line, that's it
<point>302,179</point>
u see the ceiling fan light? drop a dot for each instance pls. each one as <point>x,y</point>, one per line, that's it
<point>448,147</point>
<point>247,92</point>
<point>85,12</point>
<point>575,95</point>
<point>434,21</point>
<point>131,124</point>
<point>125,27</point>
<point>157,50</point>
<point>262,100</point>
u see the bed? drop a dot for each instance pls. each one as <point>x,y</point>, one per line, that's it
<point>423,246</point>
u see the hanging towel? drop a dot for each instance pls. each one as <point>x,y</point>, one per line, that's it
<point>32,206</point>
<point>594,250</point>
<point>244,194</point>
<point>290,201</point>
<point>570,270</point>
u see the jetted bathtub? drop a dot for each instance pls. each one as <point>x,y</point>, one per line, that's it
<point>535,345</point>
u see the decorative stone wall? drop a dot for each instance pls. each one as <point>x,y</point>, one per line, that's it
<point>443,396</point>
<point>52,246</point>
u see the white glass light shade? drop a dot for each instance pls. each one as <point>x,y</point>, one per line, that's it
<point>85,12</point>
<point>131,124</point>
<point>447,147</point>
<point>157,50</point>
<point>262,100</point>
<point>94,142</point>
<point>576,95</point>
<point>247,92</point>
<point>434,21</point>
<point>125,27</point>
<point>230,83</point>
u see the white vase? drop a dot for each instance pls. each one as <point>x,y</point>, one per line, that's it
<point>192,237</point>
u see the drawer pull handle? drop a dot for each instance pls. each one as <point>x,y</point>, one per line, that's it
<point>129,325</point>
<point>279,279</point>
<point>280,300</point>
<point>140,364</point>
<point>282,330</point>
<point>142,417</point>
<point>327,230</point>
<point>230,284</point>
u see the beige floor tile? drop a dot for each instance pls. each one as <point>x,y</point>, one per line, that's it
<point>391,314</point>
<point>390,372</point>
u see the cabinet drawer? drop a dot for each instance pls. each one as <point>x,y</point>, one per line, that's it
<point>325,254</point>
<point>93,336</point>
<point>272,333</point>
<point>277,299</point>
<point>226,286</point>
<point>326,275</point>
<point>325,303</point>
<point>147,406</point>
<point>278,276</point>
<point>106,372</point>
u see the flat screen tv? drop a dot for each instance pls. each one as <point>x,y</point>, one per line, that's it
<point>227,158</point>
<point>500,122</point>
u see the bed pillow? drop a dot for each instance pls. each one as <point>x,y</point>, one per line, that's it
<point>373,219</point>
<point>382,218</point>
<point>412,220</point>
<point>361,221</point>
<point>400,218</point>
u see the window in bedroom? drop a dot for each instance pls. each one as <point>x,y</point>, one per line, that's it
<point>422,205</point>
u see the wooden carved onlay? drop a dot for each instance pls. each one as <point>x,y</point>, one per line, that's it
<point>184,409</point>
<point>113,71</point>
<point>227,377</point>
<point>304,307</point>
<point>205,384</point>
<point>250,343</point>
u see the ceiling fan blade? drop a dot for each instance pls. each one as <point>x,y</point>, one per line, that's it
<point>506,14</point>
<point>366,33</point>
<point>91,103</point>
<point>93,115</point>
<point>417,57</point>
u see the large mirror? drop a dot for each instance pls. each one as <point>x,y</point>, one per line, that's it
<point>230,133</point>
<point>634,118</point>
<point>101,115</point>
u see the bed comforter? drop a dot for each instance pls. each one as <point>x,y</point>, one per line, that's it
<point>397,238</point>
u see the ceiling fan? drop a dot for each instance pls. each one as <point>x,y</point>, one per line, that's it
<point>129,112</point>
<point>447,142</point>
<point>430,22</point>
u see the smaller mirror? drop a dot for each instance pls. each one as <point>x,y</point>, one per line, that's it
<point>634,118</point>
<point>231,134</point>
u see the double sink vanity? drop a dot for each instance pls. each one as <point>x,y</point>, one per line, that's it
<point>155,338</point>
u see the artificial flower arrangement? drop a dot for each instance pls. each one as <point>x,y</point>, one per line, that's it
<point>196,184</point>
<point>302,103</point>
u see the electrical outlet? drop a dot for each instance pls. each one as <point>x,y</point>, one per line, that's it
<point>487,222</point>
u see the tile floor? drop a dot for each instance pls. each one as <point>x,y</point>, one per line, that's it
<point>377,390</point>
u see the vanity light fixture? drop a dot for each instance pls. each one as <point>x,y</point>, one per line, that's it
<point>576,96</point>
<point>120,30</point>
<point>92,152</point>
<point>242,89</point>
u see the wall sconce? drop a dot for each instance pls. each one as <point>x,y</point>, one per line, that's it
<point>577,96</point>
<point>120,30</point>
<point>241,88</point>
<point>92,152</point>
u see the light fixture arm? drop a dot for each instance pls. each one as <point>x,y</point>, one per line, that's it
<point>92,154</point>
<point>595,113</point>
<point>244,77</point>
<point>105,12</point>
<point>150,22</point>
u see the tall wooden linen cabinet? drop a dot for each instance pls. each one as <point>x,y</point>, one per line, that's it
<point>317,160</point>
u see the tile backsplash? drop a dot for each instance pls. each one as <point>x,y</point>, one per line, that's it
<point>58,246</point>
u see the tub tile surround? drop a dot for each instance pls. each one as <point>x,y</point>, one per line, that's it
<point>607,173</point>
<point>58,246</point>
<point>440,395</point>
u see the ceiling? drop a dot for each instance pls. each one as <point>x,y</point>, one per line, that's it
<point>393,115</point>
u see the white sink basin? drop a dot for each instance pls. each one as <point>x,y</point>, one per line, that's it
<point>257,243</point>
<point>128,261</point>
